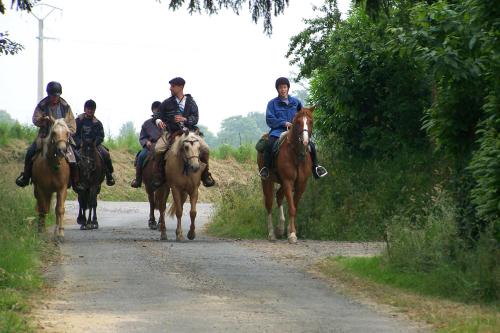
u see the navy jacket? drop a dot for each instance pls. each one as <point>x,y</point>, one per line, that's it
<point>149,132</point>
<point>88,129</point>
<point>278,113</point>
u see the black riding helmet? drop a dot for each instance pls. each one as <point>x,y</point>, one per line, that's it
<point>90,104</point>
<point>54,88</point>
<point>280,81</point>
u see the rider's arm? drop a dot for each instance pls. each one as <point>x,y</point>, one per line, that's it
<point>143,136</point>
<point>99,133</point>
<point>70,121</point>
<point>273,120</point>
<point>192,118</point>
<point>77,137</point>
<point>38,118</point>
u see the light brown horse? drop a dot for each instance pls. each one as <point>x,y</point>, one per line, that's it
<point>156,196</point>
<point>293,167</point>
<point>183,176</point>
<point>51,174</point>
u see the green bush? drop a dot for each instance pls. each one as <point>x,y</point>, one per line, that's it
<point>244,153</point>
<point>14,130</point>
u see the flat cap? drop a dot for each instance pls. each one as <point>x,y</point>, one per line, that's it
<point>177,81</point>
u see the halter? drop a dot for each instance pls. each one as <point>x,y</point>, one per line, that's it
<point>187,158</point>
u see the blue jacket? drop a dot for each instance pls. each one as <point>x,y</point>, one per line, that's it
<point>278,113</point>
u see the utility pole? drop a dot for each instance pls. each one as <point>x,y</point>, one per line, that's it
<point>41,37</point>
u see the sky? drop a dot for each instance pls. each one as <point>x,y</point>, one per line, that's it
<point>122,53</point>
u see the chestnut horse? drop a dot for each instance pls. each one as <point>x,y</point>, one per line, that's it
<point>183,176</point>
<point>293,167</point>
<point>155,195</point>
<point>91,168</point>
<point>51,174</point>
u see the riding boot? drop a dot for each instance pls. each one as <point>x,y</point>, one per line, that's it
<point>318,170</point>
<point>25,176</point>
<point>159,172</point>
<point>136,183</point>
<point>206,176</point>
<point>75,177</point>
<point>268,155</point>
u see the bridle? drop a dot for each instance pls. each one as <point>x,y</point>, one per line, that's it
<point>192,141</point>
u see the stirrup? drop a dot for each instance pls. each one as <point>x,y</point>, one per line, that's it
<point>22,181</point>
<point>264,173</point>
<point>320,171</point>
<point>208,181</point>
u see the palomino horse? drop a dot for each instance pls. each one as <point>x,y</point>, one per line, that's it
<point>51,174</point>
<point>91,169</point>
<point>293,168</point>
<point>183,176</point>
<point>155,195</point>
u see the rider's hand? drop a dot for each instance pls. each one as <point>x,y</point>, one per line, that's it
<point>179,119</point>
<point>160,124</point>
<point>288,125</point>
<point>149,144</point>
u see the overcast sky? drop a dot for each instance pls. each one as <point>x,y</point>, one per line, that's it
<point>123,53</point>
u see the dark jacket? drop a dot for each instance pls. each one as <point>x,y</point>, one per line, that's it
<point>42,109</point>
<point>278,113</point>
<point>88,130</point>
<point>149,132</point>
<point>170,108</point>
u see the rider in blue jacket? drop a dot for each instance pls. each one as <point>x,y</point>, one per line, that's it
<point>279,115</point>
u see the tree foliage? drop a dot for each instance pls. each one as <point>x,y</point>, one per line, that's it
<point>239,130</point>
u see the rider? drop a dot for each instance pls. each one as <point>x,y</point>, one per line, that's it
<point>89,128</point>
<point>179,112</point>
<point>150,133</point>
<point>52,106</point>
<point>279,115</point>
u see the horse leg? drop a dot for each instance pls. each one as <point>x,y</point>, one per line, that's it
<point>267,189</point>
<point>152,222</point>
<point>95,224</point>
<point>280,229</point>
<point>178,202</point>
<point>42,207</point>
<point>193,198</point>
<point>59,228</point>
<point>292,211</point>
<point>162,196</point>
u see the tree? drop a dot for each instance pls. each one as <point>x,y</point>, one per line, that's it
<point>209,137</point>
<point>8,46</point>
<point>239,130</point>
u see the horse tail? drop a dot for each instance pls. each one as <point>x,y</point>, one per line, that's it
<point>172,210</point>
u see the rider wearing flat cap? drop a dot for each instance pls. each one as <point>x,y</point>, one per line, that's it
<point>177,113</point>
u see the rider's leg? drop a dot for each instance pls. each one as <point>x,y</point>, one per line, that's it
<point>318,170</point>
<point>268,157</point>
<point>138,167</point>
<point>108,164</point>
<point>206,176</point>
<point>24,177</point>
<point>74,174</point>
<point>159,167</point>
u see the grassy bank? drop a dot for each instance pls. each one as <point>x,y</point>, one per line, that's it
<point>22,251</point>
<point>416,295</point>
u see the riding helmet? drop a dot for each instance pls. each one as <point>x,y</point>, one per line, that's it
<point>90,104</point>
<point>54,88</point>
<point>280,81</point>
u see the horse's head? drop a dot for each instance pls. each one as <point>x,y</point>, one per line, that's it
<point>59,136</point>
<point>190,150</point>
<point>302,125</point>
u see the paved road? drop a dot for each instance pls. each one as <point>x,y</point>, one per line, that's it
<point>121,278</point>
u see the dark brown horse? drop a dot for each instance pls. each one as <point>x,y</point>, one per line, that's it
<point>91,169</point>
<point>293,167</point>
<point>155,195</point>
<point>183,170</point>
<point>51,174</point>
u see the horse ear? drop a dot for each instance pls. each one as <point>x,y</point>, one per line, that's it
<point>312,108</point>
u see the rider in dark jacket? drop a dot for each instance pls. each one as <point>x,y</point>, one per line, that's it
<point>150,133</point>
<point>179,112</point>
<point>89,128</point>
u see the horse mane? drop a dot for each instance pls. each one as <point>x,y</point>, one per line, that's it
<point>46,140</point>
<point>177,145</point>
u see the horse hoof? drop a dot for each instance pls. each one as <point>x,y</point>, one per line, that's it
<point>163,236</point>
<point>152,225</point>
<point>59,239</point>
<point>179,238</point>
<point>292,239</point>
<point>95,226</point>
<point>279,232</point>
<point>191,235</point>
<point>271,238</point>
<point>82,227</point>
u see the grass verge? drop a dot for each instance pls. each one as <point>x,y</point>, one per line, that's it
<point>22,251</point>
<point>408,293</point>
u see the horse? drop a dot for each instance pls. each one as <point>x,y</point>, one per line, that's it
<point>293,167</point>
<point>51,174</point>
<point>183,170</point>
<point>155,195</point>
<point>91,169</point>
